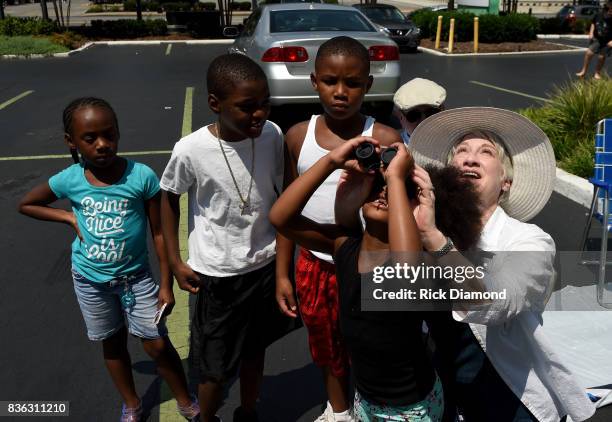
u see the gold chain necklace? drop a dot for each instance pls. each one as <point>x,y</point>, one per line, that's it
<point>245,206</point>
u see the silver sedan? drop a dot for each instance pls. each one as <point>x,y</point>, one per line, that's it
<point>284,39</point>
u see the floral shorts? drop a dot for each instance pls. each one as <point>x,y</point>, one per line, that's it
<point>430,409</point>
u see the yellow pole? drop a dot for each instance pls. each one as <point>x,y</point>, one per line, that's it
<point>438,32</point>
<point>451,35</point>
<point>475,34</point>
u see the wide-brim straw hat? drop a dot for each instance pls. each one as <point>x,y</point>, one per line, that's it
<point>530,149</point>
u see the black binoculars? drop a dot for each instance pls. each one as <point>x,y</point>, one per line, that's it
<point>370,160</point>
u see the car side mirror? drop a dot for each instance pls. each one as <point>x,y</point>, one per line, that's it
<point>230,32</point>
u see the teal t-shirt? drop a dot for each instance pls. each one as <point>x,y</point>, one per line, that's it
<point>112,220</point>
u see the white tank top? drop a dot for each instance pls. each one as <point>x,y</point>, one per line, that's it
<point>320,206</point>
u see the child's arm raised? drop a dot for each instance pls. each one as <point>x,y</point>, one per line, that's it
<point>403,232</point>
<point>186,278</point>
<point>35,204</point>
<point>152,208</point>
<point>286,212</point>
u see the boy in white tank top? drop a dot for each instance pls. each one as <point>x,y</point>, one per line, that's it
<point>342,78</point>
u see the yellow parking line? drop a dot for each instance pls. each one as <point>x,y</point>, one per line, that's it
<point>168,49</point>
<point>56,156</point>
<point>15,99</point>
<point>499,88</point>
<point>178,321</point>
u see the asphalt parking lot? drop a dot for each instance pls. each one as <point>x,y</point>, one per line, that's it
<point>45,353</point>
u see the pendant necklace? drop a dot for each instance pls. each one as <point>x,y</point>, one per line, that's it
<point>245,203</point>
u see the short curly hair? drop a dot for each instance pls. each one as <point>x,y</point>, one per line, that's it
<point>227,70</point>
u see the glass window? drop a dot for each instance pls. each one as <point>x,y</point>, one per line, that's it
<point>388,14</point>
<point>317,20</point>
<point>251,24</point>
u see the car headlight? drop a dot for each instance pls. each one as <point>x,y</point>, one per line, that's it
<point>384,30</point>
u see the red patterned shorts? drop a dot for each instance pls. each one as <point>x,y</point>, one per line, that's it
<point>317,294</point>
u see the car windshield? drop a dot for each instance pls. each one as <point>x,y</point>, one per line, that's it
<point>387,14</point>
<point>318,20</point>
<point>565,10</point>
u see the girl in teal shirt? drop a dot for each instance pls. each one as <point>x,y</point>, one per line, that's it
<point>112,201</point>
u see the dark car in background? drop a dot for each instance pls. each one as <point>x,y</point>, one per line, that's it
<point>570,14</point>
<point>393,22</point>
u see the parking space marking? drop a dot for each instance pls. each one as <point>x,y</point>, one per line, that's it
<point>499,88</point>
<point>187,110</point>
<point>168,49</point>
<point>178,321</point>
<point>15,99</point>
<point>56,156</point>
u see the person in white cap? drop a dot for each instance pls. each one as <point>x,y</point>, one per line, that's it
<point>495,361</point>
<point>415,101</point>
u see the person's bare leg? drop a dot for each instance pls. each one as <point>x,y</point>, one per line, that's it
<point>601,59</point>
<point>210,394</point>
<point>585,65</point>
<point>251,375</point>
<point>169,367</point>
<point>337,391</point>
<point>119,365</point>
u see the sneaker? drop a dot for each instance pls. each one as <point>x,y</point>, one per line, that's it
<point>131,414</point>
<point>327,415</point>
<point>240,415</point>
<point>190,412</point>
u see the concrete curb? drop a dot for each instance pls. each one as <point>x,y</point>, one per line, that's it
<point>511,53</point>
<point>558,36</point>
<point>110,43</point>
<point>573,187</point>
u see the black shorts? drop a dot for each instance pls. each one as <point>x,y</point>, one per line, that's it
<point>600,47</point>
<point>235,317</point>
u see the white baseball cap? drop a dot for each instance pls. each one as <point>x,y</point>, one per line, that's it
<point>419,92</point>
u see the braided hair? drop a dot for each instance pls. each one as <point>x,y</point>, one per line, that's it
<point>82,103</point>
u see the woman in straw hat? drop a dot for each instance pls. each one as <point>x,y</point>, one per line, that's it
<point>494,360</point>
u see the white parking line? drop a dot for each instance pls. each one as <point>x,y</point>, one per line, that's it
<point>15,99</point>
<point>168,49</point>
<point>499,88</point>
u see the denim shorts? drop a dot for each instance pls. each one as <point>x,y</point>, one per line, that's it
<point>102,311</point>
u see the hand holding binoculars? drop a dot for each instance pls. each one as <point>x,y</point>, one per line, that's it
<point>369,159</point>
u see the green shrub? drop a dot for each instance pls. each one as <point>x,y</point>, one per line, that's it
<point>569,121</point>
<point>97,8</point>
<point>581,26</point>
<point>13,26</point>
<point>145,6</point>
<point>177,7</point>
<point>550,26</point>
<point>208,5</point>
<point>126,28</point>
<point>514,27</point>
<point>422,19</point>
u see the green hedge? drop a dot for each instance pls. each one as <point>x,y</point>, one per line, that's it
<point>241,5</point>
<point>12,26</point>
<point>514,27</point>
<point>126,28</point>
<point>145,6</point>
<point>555,26</point>
<point>184,6</point>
